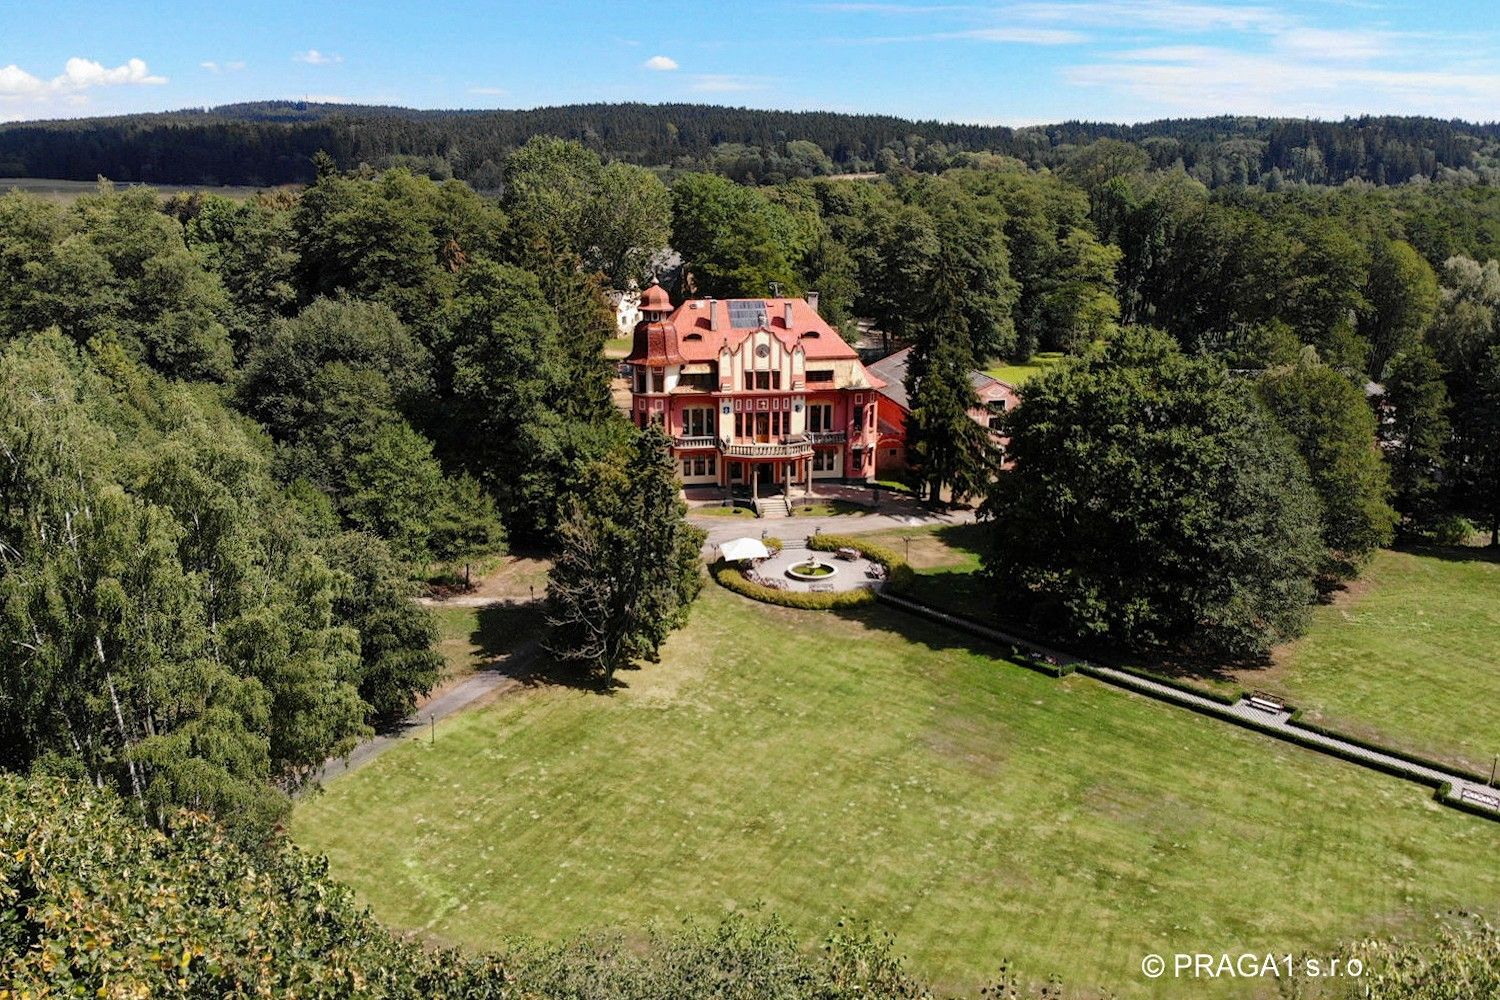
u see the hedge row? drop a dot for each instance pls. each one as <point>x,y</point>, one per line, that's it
<point>1410,758</point>
<point>899,576</point>
<point>1444,794</point>
<point>732,579</point>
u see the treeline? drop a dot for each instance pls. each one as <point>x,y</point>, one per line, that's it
<point>271,143</point>
<point>235,433</point>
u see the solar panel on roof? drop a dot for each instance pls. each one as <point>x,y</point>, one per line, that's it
<point>747,314</point>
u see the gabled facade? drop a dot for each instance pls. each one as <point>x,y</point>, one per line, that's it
<point>755,393</point>
<point>994,398</point>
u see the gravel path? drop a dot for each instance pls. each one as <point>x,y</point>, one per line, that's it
<point>467,692</point>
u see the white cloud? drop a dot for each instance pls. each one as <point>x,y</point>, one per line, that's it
<point>1023,36</point>
<point>16,82</point>
<point>1193,80</point>
<point>488,91</point>
<point>21,89</point>
<point>315,58</point>
<point>662,63</point>
<point>81,74</point>
<point>232,66</point>
<point>1171,15</point>
<point>724,83</point>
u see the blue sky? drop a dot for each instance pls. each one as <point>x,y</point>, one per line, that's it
<point>999,62</point>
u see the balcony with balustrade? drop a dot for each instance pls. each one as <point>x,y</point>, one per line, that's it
<point>796,446</point>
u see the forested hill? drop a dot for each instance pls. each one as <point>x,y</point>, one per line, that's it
<point>273,143</point>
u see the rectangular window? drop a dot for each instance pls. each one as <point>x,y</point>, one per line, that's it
<point>687,467</point>
<point>825,461</point>
<point>749,380</point>
<point>823,376</point>
<point>820,417</point>
<point>698,421</point>
<point>739,425</point>
<point>776,379</point>
<point>762,380</point>
<point>658,380</point>
<point>713,462</point>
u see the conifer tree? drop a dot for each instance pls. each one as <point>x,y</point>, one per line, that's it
<point>627,566</point>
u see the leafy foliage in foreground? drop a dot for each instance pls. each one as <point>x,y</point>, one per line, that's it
<point>94,904</point>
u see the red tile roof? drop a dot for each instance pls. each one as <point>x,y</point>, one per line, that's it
<point>700,341</point>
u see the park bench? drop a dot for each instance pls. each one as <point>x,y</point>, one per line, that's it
<point>1481,798</point>
<point>847,554</point>
<point>822,588</point>
<point>1265,702</point>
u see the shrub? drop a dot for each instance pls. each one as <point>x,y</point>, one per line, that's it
<point>732,579</point>
<point>1451,529</point>
<point>773,544</point>
<point>899,575</point>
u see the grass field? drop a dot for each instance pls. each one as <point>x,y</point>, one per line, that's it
<point>872,766</point>
<point>68,191</point>
<point>617,347</point>
<point>1018,374</point>
<point>1409,655</point>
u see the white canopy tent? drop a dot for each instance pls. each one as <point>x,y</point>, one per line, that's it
<point>741,549</point>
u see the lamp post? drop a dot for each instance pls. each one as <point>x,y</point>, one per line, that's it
<point>907,539</point>
<point>1492,769</point>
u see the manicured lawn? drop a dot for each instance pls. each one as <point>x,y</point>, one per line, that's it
<point>717,511</point>
<point>828,508</point>
<point>617,347</point>
<point>871,766</point>
<point>1411,655</point>
<point>1018,374</point>
<point>946,559</point>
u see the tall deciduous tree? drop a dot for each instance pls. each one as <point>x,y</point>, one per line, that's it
<point>1152,502</point>
<point>1401,299</point>
<point>627,568</point>
<point>509,392</point>
<point>1334,427</point>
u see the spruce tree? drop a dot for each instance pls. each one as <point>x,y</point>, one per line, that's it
<point>945,445</point>
<point>1415,436</point>
<point>627,564</point>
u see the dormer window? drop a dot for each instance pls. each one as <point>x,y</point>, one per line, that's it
<point>693,336</point>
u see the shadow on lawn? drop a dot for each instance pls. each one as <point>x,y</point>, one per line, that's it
<point>505,635</point>
<point>971,596</point>
<point>1453,553</point>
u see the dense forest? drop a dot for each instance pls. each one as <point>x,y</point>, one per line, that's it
<point>270,143</point>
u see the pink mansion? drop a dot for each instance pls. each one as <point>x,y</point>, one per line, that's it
<point>755,393</point>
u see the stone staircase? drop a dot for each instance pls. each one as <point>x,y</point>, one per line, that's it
<point>773,507</point>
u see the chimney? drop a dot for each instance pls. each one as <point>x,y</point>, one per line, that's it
<point>789,314</point>
<point>713,314</point>
<point>812,300</point>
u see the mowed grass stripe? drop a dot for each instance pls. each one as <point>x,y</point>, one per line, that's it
<point>1410,657</point>
<point>873,766</point>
